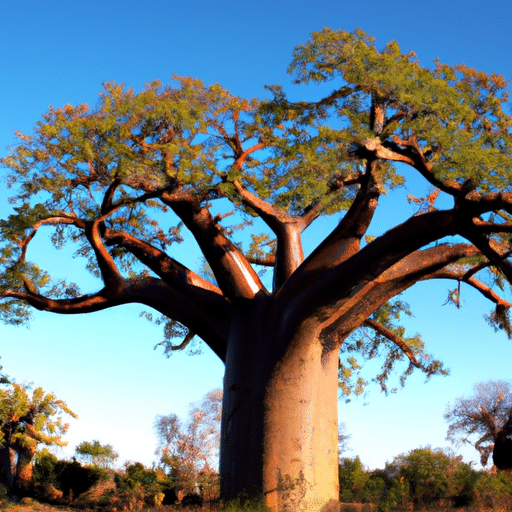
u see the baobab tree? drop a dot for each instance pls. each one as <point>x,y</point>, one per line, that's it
<point>28,418</point>
<point>122,180</point>
<point>485,421</point>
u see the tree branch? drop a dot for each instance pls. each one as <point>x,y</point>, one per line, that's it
<point>463,276</point>
<point>344,241</point>
<point>312,212</point>
<point>234,274</point>
<point>421,264</point>
<point>209,319</point>
<point>61,219</point>
<point>168,269</point>
<point>289,253</point>
<point>390,335</point>
<point>108,269</point>
<point>496,254</point>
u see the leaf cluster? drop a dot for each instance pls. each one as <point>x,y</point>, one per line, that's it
<point>366,344</point>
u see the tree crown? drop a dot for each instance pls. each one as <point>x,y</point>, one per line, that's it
<point>124,179</point>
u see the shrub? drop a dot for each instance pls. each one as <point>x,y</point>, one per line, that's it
<point>494,491</point>
<point>43,472</point>
<point>74,479</point>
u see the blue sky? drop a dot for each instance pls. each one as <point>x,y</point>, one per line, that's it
<point>104,365</point>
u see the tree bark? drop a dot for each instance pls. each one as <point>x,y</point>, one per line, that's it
<point>7,467</point>
<point>279,416</point>
<point>502,451</point>
<point>26,453</point>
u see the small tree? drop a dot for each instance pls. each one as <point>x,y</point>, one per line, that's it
<point>190,452</point>
<point>27,419</point>
<point>480,419</point>
<point>353,479</point>
<point>96,454</point>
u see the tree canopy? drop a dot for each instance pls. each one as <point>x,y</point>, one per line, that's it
<point>103,178</point>
<point>480,419</point>
<point>97,454</point>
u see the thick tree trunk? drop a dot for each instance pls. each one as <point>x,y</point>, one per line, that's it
<point>279,425</point>
<point>7,467</point>
<point>300,466</point>
<point>24,465</point>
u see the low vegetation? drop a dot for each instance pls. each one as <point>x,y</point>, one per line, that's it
<point>424,479</point>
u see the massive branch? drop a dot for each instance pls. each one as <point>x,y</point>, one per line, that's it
<point>287,229</point>
<point>419,265</point>
<point>235,276</point>
<point>211,322</point>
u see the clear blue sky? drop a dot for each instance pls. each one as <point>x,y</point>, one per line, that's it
<point>104,365</point>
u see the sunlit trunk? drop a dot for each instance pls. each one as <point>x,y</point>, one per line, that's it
<point>279,425</point>
<point>300,462</point>
<point>26,454</point>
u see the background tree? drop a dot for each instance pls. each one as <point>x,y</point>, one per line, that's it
<point>343,439</point>
<point>122,179</point>
<point>480,419</point>
<point>26,420</point>
<point>103,456</point>
<point>190,452</point>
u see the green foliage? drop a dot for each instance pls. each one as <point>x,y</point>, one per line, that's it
<point>426,471</point>
<point>44,468</point>
<point>494,491</point>
<point>456,112</point>
<point>431,476</point>
<point>36,415</point>
<point>352,479</point>
<point>137,475</point>
<point>96,454</point>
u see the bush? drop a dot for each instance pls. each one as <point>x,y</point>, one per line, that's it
<point>43,472</point>
<point>494,492</point>
<point>150,486</point>
<point>74,479</point>
<point>434,477</point>
<point>71,478</point>
<point>396,497</point>
<point>463,485</point>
